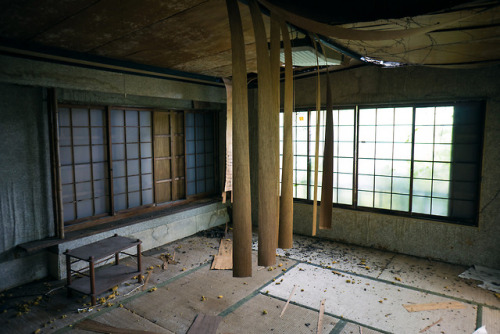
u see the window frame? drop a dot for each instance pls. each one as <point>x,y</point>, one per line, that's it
<point>111,213</point>
<point>481,106</point>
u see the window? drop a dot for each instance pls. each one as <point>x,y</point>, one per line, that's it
<point>115,159</point>
<point>422,160</point>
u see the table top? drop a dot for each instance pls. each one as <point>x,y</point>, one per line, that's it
<point>103,248</point>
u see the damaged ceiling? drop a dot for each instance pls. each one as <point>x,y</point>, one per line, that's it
<point>193,35</point>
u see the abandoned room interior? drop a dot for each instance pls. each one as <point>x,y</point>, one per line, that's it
<point>251,166</point>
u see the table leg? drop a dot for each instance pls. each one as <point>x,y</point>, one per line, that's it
<point>68,273</point>
<point>139,264</point>
<point>92,280</point>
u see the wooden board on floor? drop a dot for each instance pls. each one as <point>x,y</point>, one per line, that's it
<point>205,324</point>
<point>95,326</point>
<point>224,260</point>
<point>434,306</point>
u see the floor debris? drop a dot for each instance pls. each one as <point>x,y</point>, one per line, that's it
<point>224,260</point>
<point>95,326</point>
<point>320,316</point>
<point>288,301</point>
<point>433,324</point>
<point>434,306</point>
<point>205,324</point>
<point>489,277</point>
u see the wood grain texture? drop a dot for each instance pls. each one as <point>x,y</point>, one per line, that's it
<point>434,306</point>
<point>275,86</point>
<point>242,206</point>
<point>205,324</point>
<point>285,238</point>
<point>325,210</point>
<point>267,141</point>
<point>316,147</point>
<point>98,327</point>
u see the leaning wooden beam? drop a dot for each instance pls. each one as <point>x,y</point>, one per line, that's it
<point>267,141</point>
<point>285,239</point>
<point>242,219</point>
<point>275,86</point>
<point>325,210</point>
<point>316,147</point>
<point>228,184</point>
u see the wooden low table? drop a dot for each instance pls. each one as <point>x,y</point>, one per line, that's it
<point>98,281</point>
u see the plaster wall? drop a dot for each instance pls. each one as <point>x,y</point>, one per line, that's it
<point>424,238</point>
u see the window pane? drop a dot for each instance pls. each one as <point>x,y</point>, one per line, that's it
<point>383,183</point>
<point>118,168</point>
<point>69,212</point>
<point>444,115</point>
<point>134,199</point>
<point>97,117</point>
<point>366,166</point>
<point>401,185</point>
<point>145,118</point>
<point>442,171</point>
<point>131,118</point>
<point>382,201</point>
<point>424,134</point>
<point>301,191</point>
<point>421,205</point>
<point>344,196</point>
<point>400,202</point>
<point>365,182</point>
<point>344,180</point>
<point>132,134</point>
<point>118,151</point>
<point>82,154</point>
<point>442,152</point>
<point>83,190</point>
<point>422,187</point>
<point>81,136</point>
<point>117,118</point>
<point>402,134</point>
<point>401,168</point>
<point>367,116</point>
<point>101,205</point>
<point>441,189</point>
<point>84,209</point>
<point>440,207</point>
<point>80,117</point>
<point>403,116</point>
<point>385,133</point>
<point>365,198</point>
<point>147,196</point>
<point>133,167</point>
<point>367,150</point>
<point>132,151</point>
<point>383,167</point>
<point>98,153</point>
<point>133,183</point>
<point>120,202</point>
<point>424,116</point>
<point>423,152</point>
<point>82,173</point>
<point>422,170</point>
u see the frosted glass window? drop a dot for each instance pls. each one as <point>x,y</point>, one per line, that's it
<point>81,154</point>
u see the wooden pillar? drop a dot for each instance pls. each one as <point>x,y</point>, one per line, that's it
<point>285,239</point>
<point>242,220</point>
<point>267,141</point>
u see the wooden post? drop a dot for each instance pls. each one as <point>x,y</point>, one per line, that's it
<point>242,220</point>
<point>267,141</point>
<point>285,239</point>
<point>56,164</point>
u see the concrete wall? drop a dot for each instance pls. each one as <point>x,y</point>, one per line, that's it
<point>444,241</point>
<point>25,189</point>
